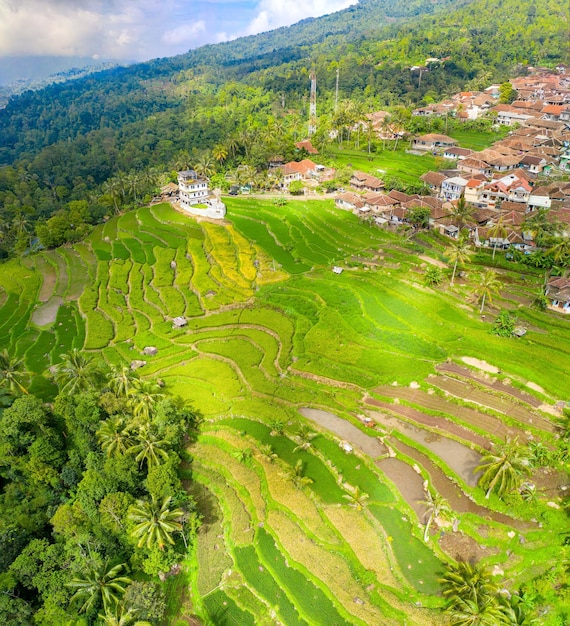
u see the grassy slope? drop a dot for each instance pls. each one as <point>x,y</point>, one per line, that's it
<point>272,329</point>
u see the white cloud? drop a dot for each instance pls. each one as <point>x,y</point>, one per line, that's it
<point>275,13</point>
<point>185,33</point>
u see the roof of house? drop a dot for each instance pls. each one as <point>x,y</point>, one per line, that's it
<point>306,145</point>
<point>400,196</point>
<point>299,167</point>
<point>434,137</point>
<point>433,178</point>
<point>380,200</point>
<point>351,198</point>
<point>507,206</point>
<point>457,151</point>
<point>362,179</point>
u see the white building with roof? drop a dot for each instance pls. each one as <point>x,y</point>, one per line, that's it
<point>195,196</point>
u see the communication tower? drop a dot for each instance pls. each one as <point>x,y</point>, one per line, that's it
<point>313,105</point>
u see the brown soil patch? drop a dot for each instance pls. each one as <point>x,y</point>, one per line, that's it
<point>480,365</point>
<point>466,391</point>
<point>408,482</point>
<point>440,424</point>
<point>461,547</point>
<point>345,430</point>
<point>487,423</point>
<point>496,385</point>
<point>431,261</point>
<point>46,313</point>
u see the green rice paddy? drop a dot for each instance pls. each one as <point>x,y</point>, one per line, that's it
<point>271,329</point>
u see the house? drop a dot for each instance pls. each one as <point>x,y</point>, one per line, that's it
<point>379,202</point>
<point>453,188</point>
<point>170,190</point>
<point>558,292</point>
<point>534,164</point>
<point>552,112</point>
<point>433,180</point>
<point>539,198</point>
<point>433,142</point>
<point>473,166</point>
<point>473,190</point>
<point>298,170</point>
<point>456,153</point>
<point>306,145</point>
<point>499,162</point>
<point>349,201</point>
<point>196,198</point>
<point>366,182</point>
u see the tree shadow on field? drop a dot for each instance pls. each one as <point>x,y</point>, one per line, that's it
<point>206,504</point>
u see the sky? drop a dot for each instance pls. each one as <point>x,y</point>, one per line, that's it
<point>138,30</point>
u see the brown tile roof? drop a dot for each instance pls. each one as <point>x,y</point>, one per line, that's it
<point>433,178</point>
<point>507,206</point>
<point>307,145</point>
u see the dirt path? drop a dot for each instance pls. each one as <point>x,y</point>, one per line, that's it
<point>431,261</point>
<point>438,423</point>
<point>467,391</point>
<point>496,385</point>
<point>488,423</point>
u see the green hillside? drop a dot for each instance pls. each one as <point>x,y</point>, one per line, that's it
<point>276,345</point>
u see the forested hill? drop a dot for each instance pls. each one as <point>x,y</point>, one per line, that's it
<point>61,144</point>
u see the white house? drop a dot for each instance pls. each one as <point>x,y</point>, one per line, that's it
<point>453,188</point>
<point>196,198</point>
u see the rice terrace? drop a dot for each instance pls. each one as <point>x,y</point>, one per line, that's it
<point>336,407</point>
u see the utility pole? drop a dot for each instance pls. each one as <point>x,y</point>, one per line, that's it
<point>336,92</point>
<point>313,105</point>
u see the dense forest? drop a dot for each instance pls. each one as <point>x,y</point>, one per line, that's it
<point>92,502</point>
<point>102,140</point>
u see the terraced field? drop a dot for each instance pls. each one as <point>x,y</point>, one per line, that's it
<point>276,344</point>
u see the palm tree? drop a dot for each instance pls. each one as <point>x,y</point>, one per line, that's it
<point>504,469</point>
<point>560,251</point>
<point>484,612</point>
<point>497,231</point>
<point>12,373</point>
<point>220,153</point>
<point>149,448</point>
<point>486,288</point>
<point>155,523</point>
<point>268,452</point>
<point>143,396</point>
<point>115,439</point>
<point>461,212</point>
<point>542,226</point>
<point>119,616</point>
<point>356,498</point>
<point>437,506</point>
<point>296,475</point>
<point>466,581</point>
<point>101,583</point>
<point>121,380</point>
<point>76,372</point>
<point>205,166</point>
<point>304,437</point>
<point>459,253</point>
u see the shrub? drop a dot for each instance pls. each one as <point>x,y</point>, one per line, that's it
<point>504,324</point>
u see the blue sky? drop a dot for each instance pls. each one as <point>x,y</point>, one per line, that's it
<point>137,30</point>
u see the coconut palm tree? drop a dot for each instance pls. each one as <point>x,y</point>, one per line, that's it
<point>466,581</point>
<point>76,372</point>
<point>12,373</point>
<point>114,437</point>
<point>560,251</point>
<point>122,617</point>
<point>459,253</point>
<point>148,447</point>
<point>205,166</point>
<point>356,498</point>
<point>155,522</point>
<point>437,506</point>
<point>267,451</point>
<point>220,153</point>
<point>101,583</point>
<point>488,286</point>
<point>121,380</point>
<point>295,474</point>
<point>542,226</point>
<point>484,612</point>
<point>143,397</point>
<point>504,469</point>
<point>497,231</point>
<point>304,437</point>
<point>461,212</point>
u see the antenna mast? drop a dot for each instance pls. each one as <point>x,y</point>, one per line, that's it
<point>336,92</point>
<point>313,105</point>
